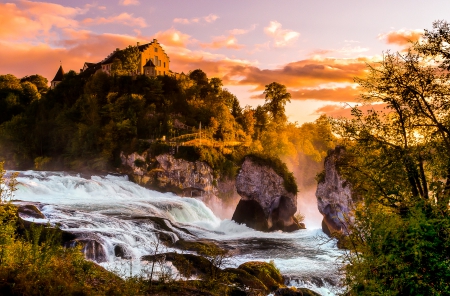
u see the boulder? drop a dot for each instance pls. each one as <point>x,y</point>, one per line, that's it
<point>334,195</point>
<point>29,211</point>
<point>265,203</point>
<point>91,248</point>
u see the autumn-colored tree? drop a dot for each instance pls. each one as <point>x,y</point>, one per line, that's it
<point>276,97</point>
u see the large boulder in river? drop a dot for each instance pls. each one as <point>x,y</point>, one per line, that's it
<point>334,194</point>
<point>265,204</point>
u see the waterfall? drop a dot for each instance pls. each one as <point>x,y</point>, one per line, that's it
<point>118,220</point>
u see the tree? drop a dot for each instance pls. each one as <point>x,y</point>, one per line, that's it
<point>276,98</point>
<point>38,80</point>
<point>130,59</point>
<point>398,163</point>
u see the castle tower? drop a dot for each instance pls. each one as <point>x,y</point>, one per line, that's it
<point>58,78</point>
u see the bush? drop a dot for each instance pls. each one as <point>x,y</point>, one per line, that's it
<point>399,254</point>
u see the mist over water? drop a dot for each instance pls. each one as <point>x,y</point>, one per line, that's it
<point>116,212</point>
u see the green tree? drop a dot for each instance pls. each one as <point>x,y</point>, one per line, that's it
<point>398,163</point>
<point>276,98</point>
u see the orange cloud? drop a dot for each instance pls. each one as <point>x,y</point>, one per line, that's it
<point>401,37</point>
<point>305,73</point>
<point>229,42</point>
<point>129,2</point>
<point>123,18</point>
<point>34,19</point>
<point>338,111</point>
<point>173,37</point>
<point>208,19</point>
<point>281,37</point>
<point>24,58</point>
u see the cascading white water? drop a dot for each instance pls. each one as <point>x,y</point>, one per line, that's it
<point>113,211</point>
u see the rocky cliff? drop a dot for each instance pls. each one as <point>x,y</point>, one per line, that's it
<point>167,173</point>
<point>265,203</point>
<point>334,195</point>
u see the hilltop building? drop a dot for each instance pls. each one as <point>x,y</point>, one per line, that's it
<point>153,61</point>
<point>58,77</point>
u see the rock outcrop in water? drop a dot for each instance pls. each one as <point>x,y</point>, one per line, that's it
<point>170,174</point>
<point>265,203</point>
<point>334,195</point>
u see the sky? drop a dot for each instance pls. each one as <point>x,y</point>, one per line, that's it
<point>315,48</point>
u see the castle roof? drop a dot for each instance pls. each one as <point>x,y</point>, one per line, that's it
<point>109,59</point>
<point>59,75</point>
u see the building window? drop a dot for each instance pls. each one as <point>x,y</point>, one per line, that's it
<point>159,63</point>
<point>156,61</point>
<point>156,49</point>
<point>164,64</point>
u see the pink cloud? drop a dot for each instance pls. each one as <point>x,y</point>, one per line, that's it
<point>229,42</point>
<point>207,19</point>
<point>129,2</point>
<point>281,36</point>
<point>123,18</point>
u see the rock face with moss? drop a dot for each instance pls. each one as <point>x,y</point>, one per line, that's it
<point>334,194</point>
<point>265,203</point>
<point>167,173</point>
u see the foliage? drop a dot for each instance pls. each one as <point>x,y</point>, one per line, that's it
<point>397,255</point>
<point>398,162</point>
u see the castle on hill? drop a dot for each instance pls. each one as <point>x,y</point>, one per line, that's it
<point>153,61</point>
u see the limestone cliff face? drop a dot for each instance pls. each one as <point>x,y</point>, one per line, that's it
<point>265,204</point>
<point>334,195</point>
<point>167,173</point>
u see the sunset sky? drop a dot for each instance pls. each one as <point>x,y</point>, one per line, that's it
<point>315,48</point>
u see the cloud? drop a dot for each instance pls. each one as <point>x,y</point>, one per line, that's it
<point>173,37</point>
<point>281,37</point>
<point>129,2</point>
<point>79,46</point>
<point>344,110</point>
<point>338,94</point>
<point>123,18</point>
<point>241,31</point>
<point>229,42</point>
<point>305,73</point>
<point>33,19</point>
<point>401,37</point>
<point>207,19</point>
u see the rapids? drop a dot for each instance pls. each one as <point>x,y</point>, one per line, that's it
<point>115,212</point>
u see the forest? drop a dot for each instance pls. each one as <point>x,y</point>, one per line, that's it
<point>88,120</point>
